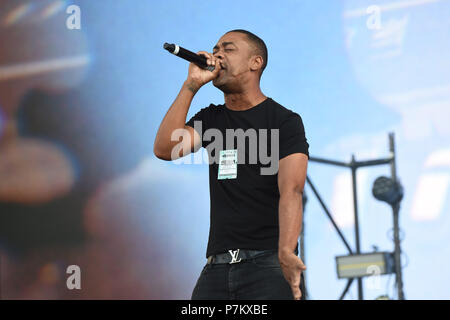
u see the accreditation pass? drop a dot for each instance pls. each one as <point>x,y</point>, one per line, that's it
<point>228,164</point>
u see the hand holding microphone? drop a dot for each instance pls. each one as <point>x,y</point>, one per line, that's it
<point>203,68</point>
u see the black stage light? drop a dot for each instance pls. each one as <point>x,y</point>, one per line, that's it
<point>387,190</point>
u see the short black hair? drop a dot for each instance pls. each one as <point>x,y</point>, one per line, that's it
<point>259,44</point>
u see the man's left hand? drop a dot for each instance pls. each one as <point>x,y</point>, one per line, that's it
<point>292,267</point>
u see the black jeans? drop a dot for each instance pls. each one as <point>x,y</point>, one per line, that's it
<point>259,278</point>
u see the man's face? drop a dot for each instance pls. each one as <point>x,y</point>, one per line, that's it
<point>234,53</point>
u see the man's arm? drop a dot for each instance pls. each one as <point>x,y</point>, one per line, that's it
<point>291,181</point>
<point>175,117</point>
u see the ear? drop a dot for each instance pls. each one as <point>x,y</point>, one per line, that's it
<point>256,63</point>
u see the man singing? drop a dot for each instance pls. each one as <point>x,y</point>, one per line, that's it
<point>256,212</point>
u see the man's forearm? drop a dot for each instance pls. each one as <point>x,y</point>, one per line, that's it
<point>290,221</point>
<point>175,118</point>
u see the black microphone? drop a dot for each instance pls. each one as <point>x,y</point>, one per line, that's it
<point>188,55</point>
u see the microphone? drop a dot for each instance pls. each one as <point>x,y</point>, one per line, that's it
<point>188,55</point>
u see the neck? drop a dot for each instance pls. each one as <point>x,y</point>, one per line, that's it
<point>244,100</point>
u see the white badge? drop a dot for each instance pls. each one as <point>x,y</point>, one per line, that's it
<point>228,164</point>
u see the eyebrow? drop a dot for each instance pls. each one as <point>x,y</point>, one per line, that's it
<point>224,44</point>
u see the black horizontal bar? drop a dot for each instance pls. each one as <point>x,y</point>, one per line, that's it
<point>355,164</point>
<point>336,163</point>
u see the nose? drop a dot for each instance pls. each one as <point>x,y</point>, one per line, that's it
<point>218,55</point>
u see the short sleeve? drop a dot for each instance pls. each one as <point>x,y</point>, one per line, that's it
<point>201,116</point>
<point>292,136</point>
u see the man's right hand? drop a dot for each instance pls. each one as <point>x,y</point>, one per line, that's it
<point>197,76</point>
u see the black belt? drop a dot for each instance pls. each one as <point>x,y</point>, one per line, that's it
<point>236,256</point>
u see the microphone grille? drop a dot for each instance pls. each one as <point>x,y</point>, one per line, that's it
<point>169,46</point>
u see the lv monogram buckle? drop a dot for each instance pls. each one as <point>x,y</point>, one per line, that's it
<point>234,255</point>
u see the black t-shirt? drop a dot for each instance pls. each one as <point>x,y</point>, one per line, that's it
<point>244,210</point>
